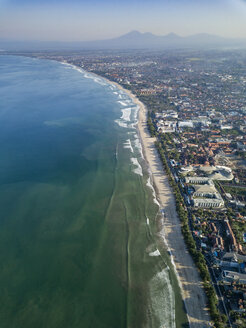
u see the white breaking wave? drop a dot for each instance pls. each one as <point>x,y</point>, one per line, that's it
<point>138,170</point>
<point>80,70</point>
<point>126,114</point>
<point>133,125</point>
<point>99,81</point>
<point>125,117</point>
<point>121,123</point>
<point>122,92</point>
<point>136,109</point>
<point>163,299</point>
<point>129,101</point>
<point>122,103</point>
<point>149,184</point>
<point>128,145</point>
<point>138,145</point>
<point>162,234</point>
<point>86,75</point>
<point>94,78</point>
<point>155,253</point>
<point>67,64</point>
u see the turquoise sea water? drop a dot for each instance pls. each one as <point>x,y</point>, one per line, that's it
<point>77,212</point>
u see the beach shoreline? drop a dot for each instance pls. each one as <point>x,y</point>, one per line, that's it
<point>187,274</point>
<point>192,291</point>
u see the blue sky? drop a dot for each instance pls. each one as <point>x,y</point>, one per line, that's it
<point>95,19</point>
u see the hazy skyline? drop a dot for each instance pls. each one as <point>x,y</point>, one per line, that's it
<point>76,20</point>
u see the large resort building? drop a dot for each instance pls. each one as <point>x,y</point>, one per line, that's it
<point>208,203</point>
<point>205,194</point>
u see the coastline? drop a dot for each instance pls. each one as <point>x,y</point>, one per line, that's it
<point>189,279</point>
<point>193,294</point>
<point>160,181</point>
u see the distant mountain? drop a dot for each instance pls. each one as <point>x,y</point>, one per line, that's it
<point>131,40</point>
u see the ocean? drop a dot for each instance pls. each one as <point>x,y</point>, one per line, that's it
<point>79,243</point>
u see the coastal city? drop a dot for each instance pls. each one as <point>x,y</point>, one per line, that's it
<point>196,105</point>
<point>123,164</point>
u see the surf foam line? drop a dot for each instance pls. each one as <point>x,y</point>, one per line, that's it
<point>127,101</point>
<point>94,78</point>
<point>163,299</point>
<point>138,145</point>
<point>136,110</point>
<point>126,114</point>
<point>150,185</point>
<point>121,123</point>
<point>123,103</point>
<point>155,253</point>
<point>117,94</point>
<point>128,145</point>
<point>138,170</point>
<point>91,76</point>
<point>162,235</point>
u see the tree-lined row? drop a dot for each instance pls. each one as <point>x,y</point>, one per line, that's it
<point>190,242</point>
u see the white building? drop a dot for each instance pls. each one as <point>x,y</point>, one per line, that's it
<point>185,124</point>
<point>197,180</point>
<point>205,195</point>
<point>208,202</point>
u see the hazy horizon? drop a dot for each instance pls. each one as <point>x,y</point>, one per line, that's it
<point>91,20</point>
<point>116,37</point>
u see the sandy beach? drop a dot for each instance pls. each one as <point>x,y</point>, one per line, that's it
<point>189,278</point>
<point>190,281</point>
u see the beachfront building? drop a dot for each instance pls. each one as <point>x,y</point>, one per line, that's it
<point>208,202</point>
<point>197,180</point>
<point>205,194</point>
<point>166,126</point>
